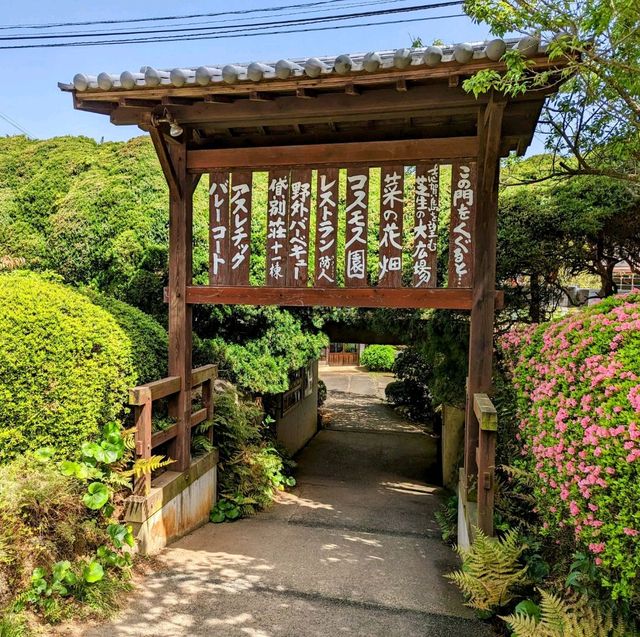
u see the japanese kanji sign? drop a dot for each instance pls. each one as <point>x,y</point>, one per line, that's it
<point>219,228</point>
<point>240,227</point>
<point>425,229</point>
<point>391,216</point>
<point>277,226</point>
<point>299,219</point>
<point>463,206</point>
<point>356,231</point>
<point>327,227</point>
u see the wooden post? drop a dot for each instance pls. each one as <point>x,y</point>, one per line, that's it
<point>180,324</point>
<point>142,414</point>
<point>487,418</point>
<point>484,274</point>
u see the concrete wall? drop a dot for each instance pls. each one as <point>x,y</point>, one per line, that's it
<point>178,504</point>
<point>300,424</point>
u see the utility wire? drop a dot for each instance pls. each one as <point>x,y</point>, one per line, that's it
<point>244,34</point>
<point>150,29</point>
<point>52,25</point>
<point>15,124</point>
<point>248,26</point>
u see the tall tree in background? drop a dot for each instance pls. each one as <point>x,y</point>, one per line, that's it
<point>593,123</point>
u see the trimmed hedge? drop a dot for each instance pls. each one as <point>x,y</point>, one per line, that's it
<point>65,366</point>
<point>578,399</point>
<point>149,341</point>
<point>378,358</point>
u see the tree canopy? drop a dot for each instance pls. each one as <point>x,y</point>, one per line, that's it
<point>592,124</point>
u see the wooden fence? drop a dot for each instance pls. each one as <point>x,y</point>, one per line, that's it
<point>141,398</point>
<point>487,417</point>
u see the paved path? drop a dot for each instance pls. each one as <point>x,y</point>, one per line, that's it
<point>353,550</point>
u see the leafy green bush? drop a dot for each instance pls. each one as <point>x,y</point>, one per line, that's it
<point>62,553</point>
<point>411,391</point>
<point>251,469</point>
<point>578,399</point>
<point>378,358</point>
<point>65,366</point>
<point>149,341</point>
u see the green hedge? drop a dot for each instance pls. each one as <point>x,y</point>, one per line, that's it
<point>378,358</point>
<point>65,366</point>
<point>149,341</point>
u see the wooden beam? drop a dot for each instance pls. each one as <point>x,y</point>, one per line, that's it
<point>162,151</point>
<point>339,155</point>
<point>482,312</point>
<point>441,298</point>
<point>485,412</point>
<point>157,389</point>
<point>380,102</point>
<point>180,312</point>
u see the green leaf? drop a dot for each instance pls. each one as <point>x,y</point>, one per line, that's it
<point>233,513</point>
<point>217,516</point>
<point>97,496</point>
<point>93,572</point>
<point>44,454</point>
<point>38,574</point>
<point>528,607</point>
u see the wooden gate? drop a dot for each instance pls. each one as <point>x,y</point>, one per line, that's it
<point>320,128</point>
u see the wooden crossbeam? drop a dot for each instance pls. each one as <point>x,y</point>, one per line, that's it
<point>405,151</point>
<point>440,298</point>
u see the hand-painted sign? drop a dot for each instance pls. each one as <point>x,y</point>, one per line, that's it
<point>463,207</point>
<point>425,229</point>
<point>356,236</point>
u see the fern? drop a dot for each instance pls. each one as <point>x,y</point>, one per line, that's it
<point>490,571</point>
<point>447,518</point>
<point>143,466</point>
<point>573,617</point>
<point>201,443</point>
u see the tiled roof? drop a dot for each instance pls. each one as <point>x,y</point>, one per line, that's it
<point>313,67</point>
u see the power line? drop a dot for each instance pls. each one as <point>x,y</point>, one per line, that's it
<point>248,26</point>
<point>15,124</point>
<point>244,34</point>
<point>52,25</point>
<point>352,4</point>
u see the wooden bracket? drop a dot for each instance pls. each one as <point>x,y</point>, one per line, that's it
<point>162,150</point>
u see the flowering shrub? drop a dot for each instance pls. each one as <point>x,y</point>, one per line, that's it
<point>578,383</point>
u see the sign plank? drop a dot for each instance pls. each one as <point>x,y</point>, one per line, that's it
<point>299,220</point>
<point>240,227</point>
<point>357,212</point>
<point>327,227</point>
<point>391,221</point>
<point>425,228</point>
<point>219,228</point>
<point>277,223</point>
<point>463,212</point>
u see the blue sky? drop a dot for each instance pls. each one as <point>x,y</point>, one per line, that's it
<point>29,92</point>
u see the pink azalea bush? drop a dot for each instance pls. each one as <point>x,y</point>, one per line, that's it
<point>578,384</point>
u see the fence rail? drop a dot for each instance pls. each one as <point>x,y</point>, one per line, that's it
<point>487,416</point>
<point>141,398</point>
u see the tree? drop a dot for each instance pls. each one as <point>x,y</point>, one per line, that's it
<point>553,231</point>
<point>595,117</point>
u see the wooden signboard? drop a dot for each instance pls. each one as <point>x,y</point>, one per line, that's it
<point>327,227</point>
<point>425,229</point>
<point>463,208</point>
<point>277,224</point>
<point>356,227</point>
<point>219,228</point>
<point>299,220</point>
<point>391,221</point>
<point>240,227</point>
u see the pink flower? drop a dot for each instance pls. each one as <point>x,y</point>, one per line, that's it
<point>597,547</point>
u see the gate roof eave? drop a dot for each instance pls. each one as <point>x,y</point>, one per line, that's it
<point>402,94</point>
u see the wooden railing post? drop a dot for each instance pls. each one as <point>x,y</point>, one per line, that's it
<point>487,417</point>
<point>142,413</point>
